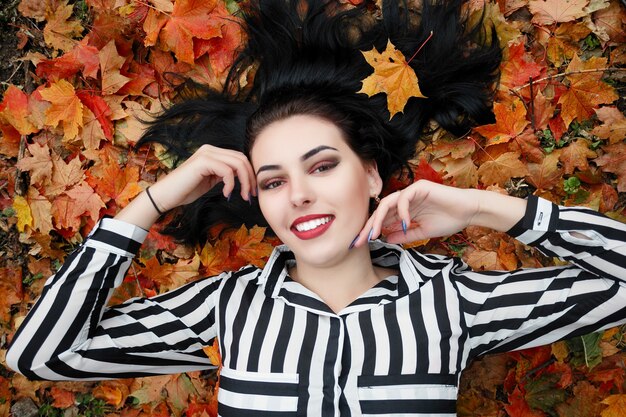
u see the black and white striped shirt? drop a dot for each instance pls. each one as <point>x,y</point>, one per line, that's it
<point>397,350</point>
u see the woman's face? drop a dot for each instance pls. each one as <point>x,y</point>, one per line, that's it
<point>314,190</point>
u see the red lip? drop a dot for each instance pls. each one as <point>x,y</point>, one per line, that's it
<point>310,234</point>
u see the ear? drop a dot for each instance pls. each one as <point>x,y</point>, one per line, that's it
<point>373,178</point>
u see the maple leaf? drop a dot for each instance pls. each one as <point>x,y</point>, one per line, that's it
<point>149,390</point>
<point>247,244</point>
<point>616,406</point>
<point>100,109</point>
<point>613,125</point>
<point>213,352</point>
<point>112,392</point>
<point>213,257</point>
<point>82,57</point>
<point>393,76</point>
<point>59,30</point>
<point>62,398</point>
<point>66,108</point>
<point>86,201</point>
<point>586,90</point>
<point>116,183</point>
<point>575,155</point>
<point>461,172</point>
<point>608,25</point>
<point>189,19</point>
<point>110,64</point>
<point>585,402</point>
<point>548,12</point>
<point>510,122</point>
<point>546,174</point>
<point>64,175</point>
<point>92,133</point>
<point>491,15</point>
<point>614,160</point>
<point>501,169</point>
<point>518,68</point>
<point>562,44</point>
<point>14,111</point>
<point>39,165</point>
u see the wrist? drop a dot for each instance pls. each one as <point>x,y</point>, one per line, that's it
<point>497,211</point>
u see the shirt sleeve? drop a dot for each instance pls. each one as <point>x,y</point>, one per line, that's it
<point>505,311</point>
<point>70,334</point>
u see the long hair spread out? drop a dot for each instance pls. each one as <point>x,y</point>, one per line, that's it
<point>308,60</point>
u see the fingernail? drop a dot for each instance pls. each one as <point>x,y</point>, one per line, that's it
<point>353,242</point>
<point>257,190</point>
<point>229,196</point>
<point>250,197</point>
<point>404,226</point>
<point>369,237</point>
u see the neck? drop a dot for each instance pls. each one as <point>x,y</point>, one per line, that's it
<point>340,284</point>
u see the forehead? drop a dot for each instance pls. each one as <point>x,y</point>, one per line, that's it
<point>290,138</point>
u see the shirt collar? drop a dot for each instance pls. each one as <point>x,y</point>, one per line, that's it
<point>274,277</point>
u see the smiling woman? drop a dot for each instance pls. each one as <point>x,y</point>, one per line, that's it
<point>339,322</point>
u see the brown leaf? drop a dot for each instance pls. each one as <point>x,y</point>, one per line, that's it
<point>613,125</point>
<point>545,175</point>
<point>616,406</point>
<point>501,169</point>
<point>110,64</point>
<point>66,108</point>
<point>59,30</point>
<point>548,12</point>
<point>39,165</point>
<point>460,172</point>
<point>576,155</point>
<point>614,160</point>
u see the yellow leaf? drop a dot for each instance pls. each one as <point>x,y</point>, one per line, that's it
<point>59,30</point>
<point>393,76</point>
<point>22,211</point>
<point>66,108</point>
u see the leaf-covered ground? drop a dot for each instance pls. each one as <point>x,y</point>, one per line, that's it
<point>90,69</point>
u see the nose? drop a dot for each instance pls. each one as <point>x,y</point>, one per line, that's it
<point>300,192</point>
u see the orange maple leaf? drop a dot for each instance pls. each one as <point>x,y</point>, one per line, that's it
<point>62,397</point>
<point>82,57</point>
<point>189,19</point>
<point>66,108</point>
<point>64,175</point>
<point>614,160</point>
<point>586,90</point>
<point>213,257</point>
<point>14,111</point>
<point>86,201</point>
<point>11,290</point>
<point>519,67</point>
<point>247,244</point>
<point>113,182</point>
<point>393,76</point>
<point>59,30</point>
<point>41,210</point>
<point>510,122</point>
<point>616,406</point>
<point>110,64</point>
<point>170,276</point>
<point>547,12</point>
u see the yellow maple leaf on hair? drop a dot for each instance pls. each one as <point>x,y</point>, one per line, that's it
<point>393,76</point>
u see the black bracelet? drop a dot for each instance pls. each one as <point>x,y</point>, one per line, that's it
<point>153,203</point>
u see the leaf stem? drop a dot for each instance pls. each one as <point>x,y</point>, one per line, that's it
<point>420,48</point>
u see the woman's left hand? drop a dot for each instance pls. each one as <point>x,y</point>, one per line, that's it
<point>432,210</point>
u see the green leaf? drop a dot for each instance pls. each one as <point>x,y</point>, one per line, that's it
<point>586,349</point>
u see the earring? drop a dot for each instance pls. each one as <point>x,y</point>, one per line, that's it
<point>376,199</point>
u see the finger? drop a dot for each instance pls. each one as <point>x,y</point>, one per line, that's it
<point>239,167</point>
<point>403,209</point>
<point>250,177</point>
<point>226,173</point>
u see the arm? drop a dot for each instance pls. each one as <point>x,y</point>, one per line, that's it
<point>512,310</point>
<point>69,334</point>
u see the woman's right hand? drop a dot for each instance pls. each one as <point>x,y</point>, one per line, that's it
<point>207,167</point>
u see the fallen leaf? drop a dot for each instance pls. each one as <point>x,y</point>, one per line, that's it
<point>100,110</point>
<point>86,201</point>
<point>546,174</point>
<point>460,172</point>
<point>110,64</point>
<point>576,155</point>
<point>613,125</point>
<point>586,90</point>
<point>62,398</point>
<point>614,160</point>
<point>22,212</point>
<point>66,108</point>
<point>11,290</point>
<point>510,122</point>
<point>518,68</point>
<point>60,30</point>
<point>64,175</point>
<point>14,111</point>
<point>616,406</point>
<point>501,169</point>
<point>39,164</point>
<point>393,76</point>
<point>548,12</point>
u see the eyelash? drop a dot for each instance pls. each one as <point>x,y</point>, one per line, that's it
<point>271,184</point>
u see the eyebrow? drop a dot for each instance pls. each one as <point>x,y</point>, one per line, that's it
<point>303,158</point>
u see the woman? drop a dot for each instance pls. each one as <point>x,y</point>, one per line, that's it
<point>337,322</point>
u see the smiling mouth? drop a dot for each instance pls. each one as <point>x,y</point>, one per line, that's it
<point>312,224</point>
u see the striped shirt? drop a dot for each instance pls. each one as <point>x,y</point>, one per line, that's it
<point>397,350</point>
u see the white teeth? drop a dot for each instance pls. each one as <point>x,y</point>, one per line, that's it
<point>312,224</point>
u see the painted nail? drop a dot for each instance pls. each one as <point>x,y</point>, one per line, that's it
<point>229,196</point>
<point>353,242</point>
<point>250,198</point>
<point>369,236</point>
<point>404,226</point>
